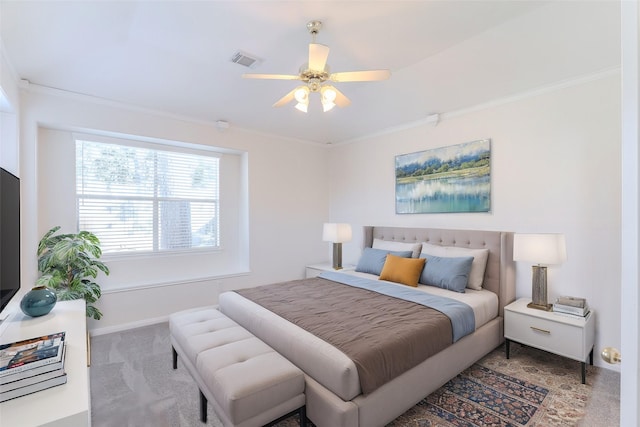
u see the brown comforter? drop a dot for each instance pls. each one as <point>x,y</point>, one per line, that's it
<point>384,336</point>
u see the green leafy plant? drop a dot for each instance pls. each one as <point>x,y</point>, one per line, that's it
<point>69,264</point>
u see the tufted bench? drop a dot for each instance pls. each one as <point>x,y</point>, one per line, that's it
<point>246,381</point>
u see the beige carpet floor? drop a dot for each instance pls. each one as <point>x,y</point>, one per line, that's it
<point>133,385</point>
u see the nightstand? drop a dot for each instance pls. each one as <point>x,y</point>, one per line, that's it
<point>564,335</point>
<point>315,269</point>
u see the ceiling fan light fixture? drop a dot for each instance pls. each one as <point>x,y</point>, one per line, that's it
<point>302,95</point>
<point>328,94</point>
<point>327,105</point>
<point>302,106</point>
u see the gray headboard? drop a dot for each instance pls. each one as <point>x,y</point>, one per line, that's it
<point>499,275</point>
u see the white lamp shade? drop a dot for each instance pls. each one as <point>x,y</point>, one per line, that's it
<point>543,249</point>
<point>336,233</point>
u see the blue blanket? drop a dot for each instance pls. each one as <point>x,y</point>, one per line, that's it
<point>463,321</point>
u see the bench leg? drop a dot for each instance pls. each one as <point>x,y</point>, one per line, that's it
<point>175,357</point>
<point>203,408</point>
<point>303,416</point>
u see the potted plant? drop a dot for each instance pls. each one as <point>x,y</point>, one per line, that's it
<point>69,263</point>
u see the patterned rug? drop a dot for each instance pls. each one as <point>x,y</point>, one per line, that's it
<point>533,388</point>
<point>486,397</point>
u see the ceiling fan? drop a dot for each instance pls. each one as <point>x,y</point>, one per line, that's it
<point>317,78</point>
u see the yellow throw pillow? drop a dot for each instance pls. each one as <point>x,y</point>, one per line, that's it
<point>402,270</point>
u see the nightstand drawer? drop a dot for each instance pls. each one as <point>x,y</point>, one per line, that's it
<point>559,338</point>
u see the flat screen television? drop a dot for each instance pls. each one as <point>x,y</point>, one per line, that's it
<point>9,237</point>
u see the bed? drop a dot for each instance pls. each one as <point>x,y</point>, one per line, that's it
<point>334,394</point>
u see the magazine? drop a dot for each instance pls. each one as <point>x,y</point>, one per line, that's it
<point>34,371</point>
<point>31,353</point>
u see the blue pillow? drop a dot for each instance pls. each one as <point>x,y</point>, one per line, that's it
<point>372,260</point>
<point>446,273</point>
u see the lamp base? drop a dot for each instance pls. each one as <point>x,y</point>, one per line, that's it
<point>337,256</point>
<point>539,288</point>
<point>545,307</point>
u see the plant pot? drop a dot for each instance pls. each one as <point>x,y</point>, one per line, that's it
<point>38,301</point>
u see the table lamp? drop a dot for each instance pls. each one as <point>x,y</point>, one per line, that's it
<point>542,249</point>
<point>338,234</point>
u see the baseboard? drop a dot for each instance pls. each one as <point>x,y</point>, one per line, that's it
<point>132,325</point>
<point>127,326</point>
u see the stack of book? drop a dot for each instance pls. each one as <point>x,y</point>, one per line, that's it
<point>571,305</point>
<point>31,365</point>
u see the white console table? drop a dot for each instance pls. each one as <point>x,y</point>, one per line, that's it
<point>67,405</point>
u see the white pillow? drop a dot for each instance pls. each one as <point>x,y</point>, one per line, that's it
<point>476,275</point>
<point>389,245</point>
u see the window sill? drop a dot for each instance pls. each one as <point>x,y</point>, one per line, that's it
<point>143,286</point>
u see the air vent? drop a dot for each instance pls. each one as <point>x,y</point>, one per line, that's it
<point>245,59</point>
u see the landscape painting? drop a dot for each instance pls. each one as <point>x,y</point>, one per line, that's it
<point>445,180</point>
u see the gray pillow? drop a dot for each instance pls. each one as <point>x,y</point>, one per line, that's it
<point>446,273</point>
<point>372,260</point>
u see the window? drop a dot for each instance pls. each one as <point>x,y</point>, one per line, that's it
<point>141,198</point>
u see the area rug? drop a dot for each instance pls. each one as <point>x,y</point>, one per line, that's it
<point>532,388</point>
<point>482,396</point>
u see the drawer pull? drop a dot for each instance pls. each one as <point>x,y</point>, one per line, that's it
<point>544,331</point>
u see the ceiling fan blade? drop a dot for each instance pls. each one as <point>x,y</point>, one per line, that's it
<point>318,54</point>
<point>360,76</point>
<point>341,100</point>
<point>285,99</point>
<point>271,76</point>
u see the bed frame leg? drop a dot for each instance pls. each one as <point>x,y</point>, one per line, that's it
<point>302,413</point>
<point>203,407</point>
<point>175,357</point>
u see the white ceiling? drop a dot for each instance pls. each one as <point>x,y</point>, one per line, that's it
<point>174,56</point>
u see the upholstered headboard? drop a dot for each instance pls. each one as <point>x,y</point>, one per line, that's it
<point>499,275</point>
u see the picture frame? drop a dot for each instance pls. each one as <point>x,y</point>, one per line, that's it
<point>448,179</point>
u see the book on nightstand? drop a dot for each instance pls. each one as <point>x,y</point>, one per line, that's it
<point>572,301</point>
<point>25,355</point>
<point>571,305</point>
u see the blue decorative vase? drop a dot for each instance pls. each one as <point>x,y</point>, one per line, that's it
<point>38,301</point>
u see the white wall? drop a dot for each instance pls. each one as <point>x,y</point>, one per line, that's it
<point>287,200</point>
<point>556,158</point>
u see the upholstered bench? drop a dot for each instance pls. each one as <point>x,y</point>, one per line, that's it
<point>246,381</point>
